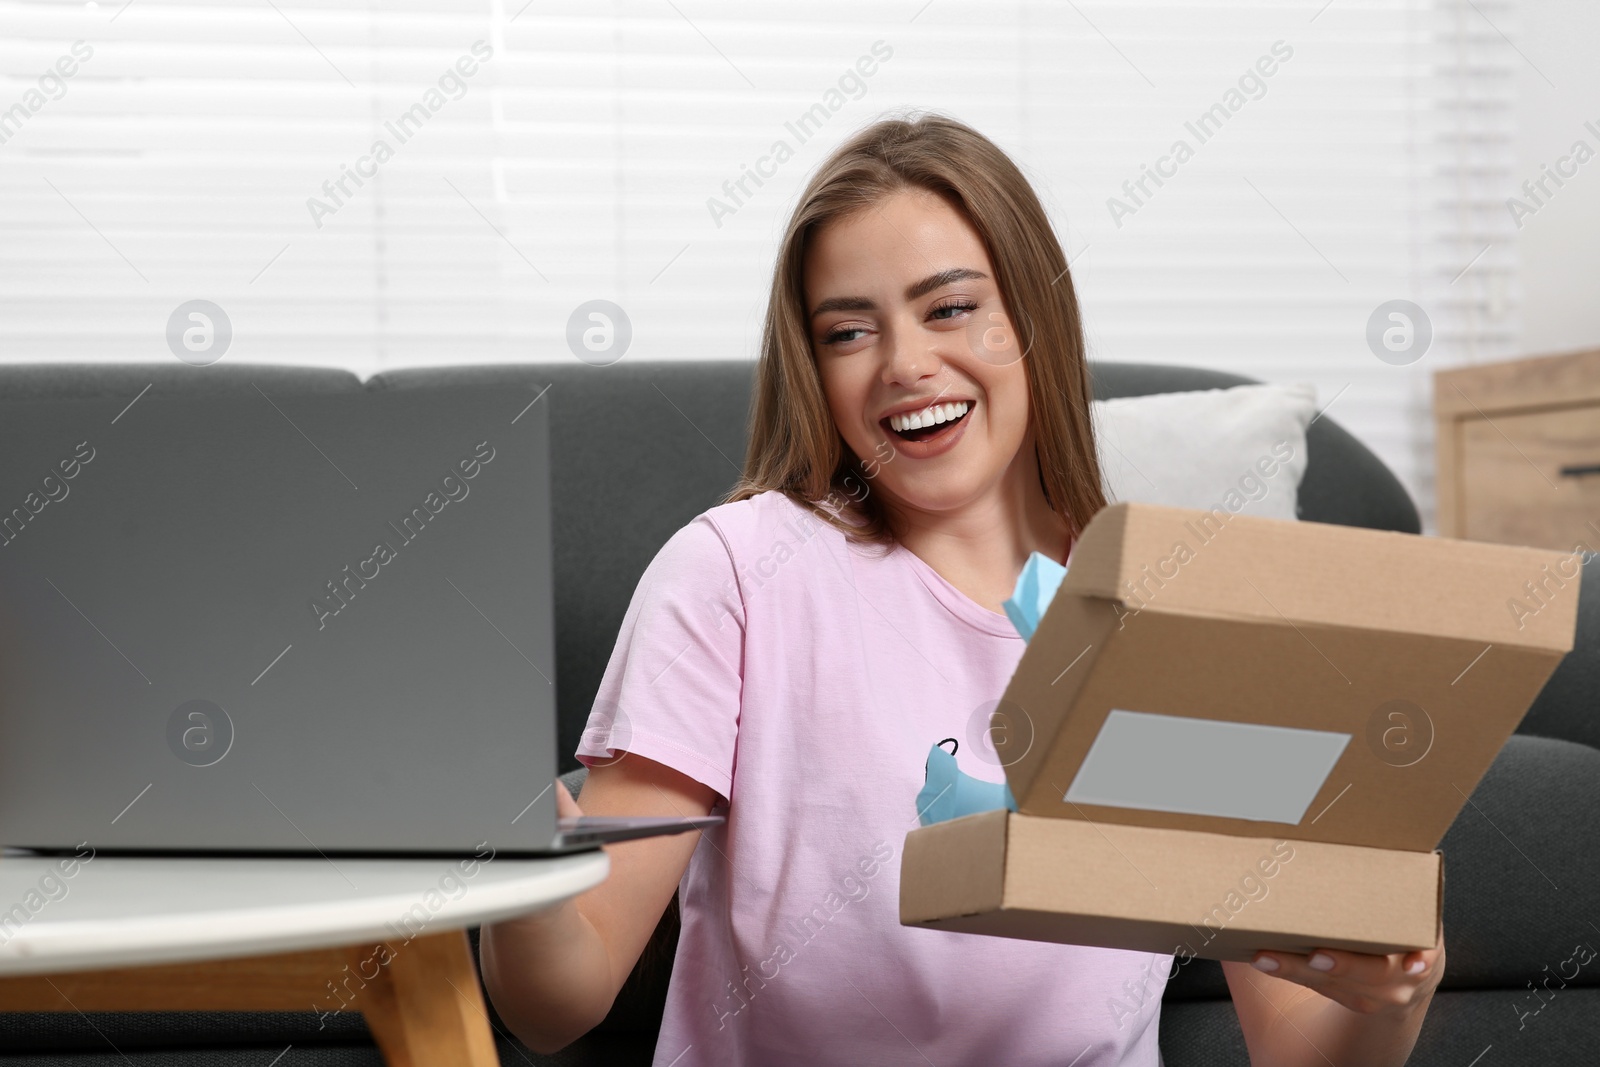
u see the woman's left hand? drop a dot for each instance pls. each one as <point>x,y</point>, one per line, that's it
<point>1395,984</point>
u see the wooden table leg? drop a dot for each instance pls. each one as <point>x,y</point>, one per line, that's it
<point>426,1008</point>
<point>421,998</point>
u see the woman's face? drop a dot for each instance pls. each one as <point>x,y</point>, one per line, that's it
<point>906,316</point>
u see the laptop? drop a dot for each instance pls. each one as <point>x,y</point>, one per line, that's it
<point>293,624</point>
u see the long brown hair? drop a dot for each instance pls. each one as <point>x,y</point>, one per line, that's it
<point>795,446</point>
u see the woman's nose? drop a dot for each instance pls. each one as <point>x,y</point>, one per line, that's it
<point>908,357</point>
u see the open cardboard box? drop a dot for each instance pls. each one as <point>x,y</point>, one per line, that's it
<point>1231,733</point>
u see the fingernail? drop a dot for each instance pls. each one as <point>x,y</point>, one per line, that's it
<point>1321,961</point>
<point>1266,963</point>
<point>1417,967</point>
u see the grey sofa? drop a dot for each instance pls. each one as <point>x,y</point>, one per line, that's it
<point>640,448</point>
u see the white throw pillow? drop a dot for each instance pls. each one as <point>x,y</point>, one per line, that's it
<point>1241,449</point>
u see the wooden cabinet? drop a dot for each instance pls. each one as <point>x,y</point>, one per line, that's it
<point>1518,449</point>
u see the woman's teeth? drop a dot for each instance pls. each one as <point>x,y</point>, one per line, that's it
<point>929,416</point>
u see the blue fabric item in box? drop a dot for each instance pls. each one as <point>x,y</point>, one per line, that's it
<point>947,792</point>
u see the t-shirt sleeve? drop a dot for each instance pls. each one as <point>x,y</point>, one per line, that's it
<point>672,687</point>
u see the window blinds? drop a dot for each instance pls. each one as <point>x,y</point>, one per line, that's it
<point>382,184</point>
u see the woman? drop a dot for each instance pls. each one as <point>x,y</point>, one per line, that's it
<point>921,425</point>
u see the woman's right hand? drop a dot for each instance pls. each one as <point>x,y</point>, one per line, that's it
<point>566,804</point>
<point>566,911</point>
<point>553,974</point>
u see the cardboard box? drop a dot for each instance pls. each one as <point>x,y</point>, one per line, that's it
<point>1208,691</point>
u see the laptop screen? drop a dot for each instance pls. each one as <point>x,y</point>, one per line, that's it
<point>293,623</point>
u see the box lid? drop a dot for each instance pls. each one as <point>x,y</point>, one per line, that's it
<point>1227,673</point>
<point>1320,574</point>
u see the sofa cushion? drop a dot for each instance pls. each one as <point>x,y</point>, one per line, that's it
<point>1344,483</point>
<point>1521,878</point>
<point>50,381</point>
<point>1202,1033</point>
<point>1569,705</point>
<point>45,1031</point>
<point>1242,449</point>
<point>1460,1027</point>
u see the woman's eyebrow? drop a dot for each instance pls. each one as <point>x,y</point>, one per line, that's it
<point>913,291</point>
<point>944,277</point>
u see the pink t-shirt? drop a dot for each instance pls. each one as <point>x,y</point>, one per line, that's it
<point>804,680</point>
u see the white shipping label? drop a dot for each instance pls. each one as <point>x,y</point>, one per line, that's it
<point>1235,770</point>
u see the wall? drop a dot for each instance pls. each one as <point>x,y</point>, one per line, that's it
<point>1559,245</point>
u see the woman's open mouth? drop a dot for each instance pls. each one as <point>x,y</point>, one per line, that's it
<point>931,422</point>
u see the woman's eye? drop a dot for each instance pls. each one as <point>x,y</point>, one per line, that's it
<point>843,335</point>
<point>956,306</point>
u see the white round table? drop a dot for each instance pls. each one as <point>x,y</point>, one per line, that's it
<point>120,911</point>
<point>381,936</point>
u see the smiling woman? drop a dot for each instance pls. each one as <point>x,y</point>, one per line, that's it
<point>803,704</point>
<point>941,210</point>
